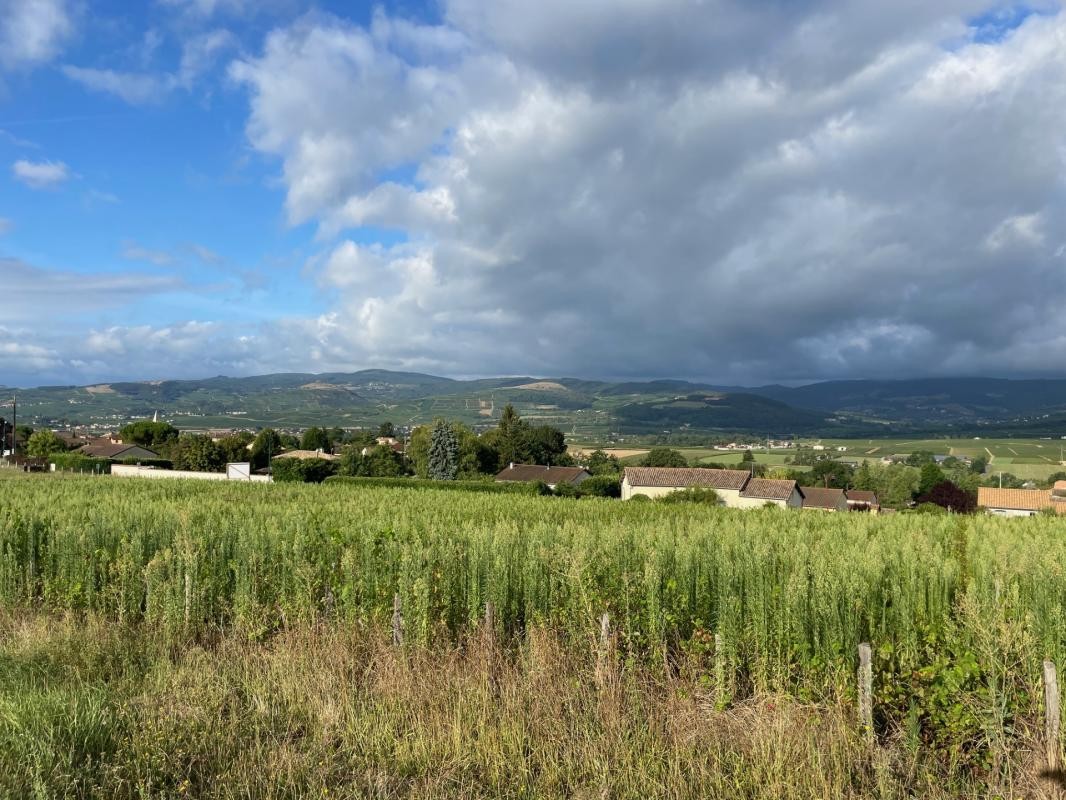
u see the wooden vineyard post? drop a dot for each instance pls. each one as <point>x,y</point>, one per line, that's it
<point>188,596</point>
<point>1051,715</point>
<point>397,621</point>
<point>866,692</point>
<point>602,649</point>
<point>720,673</point>
<point>490,618</point>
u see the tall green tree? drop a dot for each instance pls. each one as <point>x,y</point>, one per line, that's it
<point>199,454</point>
<point>44,443</point>
<point>266,445</point>
<point>316,439</point>
<point>664,457</point>
<point>511,438</point>
<point>602,463</point>
<point>443,452</point>
<point>148,434</point>
<point>235,447</point>
<point>387,430</point>
<point>929,477</point>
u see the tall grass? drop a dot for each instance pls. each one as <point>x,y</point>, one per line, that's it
<point>960,610</point>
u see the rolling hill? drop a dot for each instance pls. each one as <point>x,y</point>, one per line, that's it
<point>580,406</point>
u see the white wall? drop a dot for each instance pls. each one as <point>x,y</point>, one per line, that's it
<point>133,471</point>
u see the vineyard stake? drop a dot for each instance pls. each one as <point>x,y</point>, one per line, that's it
<point>866,692</point>
<point>397,621</point>
<point>1051,715</point>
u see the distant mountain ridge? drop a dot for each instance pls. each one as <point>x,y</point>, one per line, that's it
<point>365,396</point>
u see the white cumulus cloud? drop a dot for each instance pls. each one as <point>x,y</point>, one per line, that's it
<point>40,174</point>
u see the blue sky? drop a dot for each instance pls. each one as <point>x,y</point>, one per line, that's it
<point>222,186</point>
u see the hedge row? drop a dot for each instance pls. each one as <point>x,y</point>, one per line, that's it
<point>533,488</point>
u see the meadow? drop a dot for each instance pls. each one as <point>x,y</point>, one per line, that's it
<point>165,638</point>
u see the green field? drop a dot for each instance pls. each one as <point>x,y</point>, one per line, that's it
<point>1034,459</point>
<point>172,638</point>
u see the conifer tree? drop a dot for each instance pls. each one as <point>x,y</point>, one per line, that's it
<point>443,452</point>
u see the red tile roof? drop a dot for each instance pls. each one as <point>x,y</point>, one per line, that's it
<point>769,489</point>
<point>687,477</point>
<point>536,472</point>
<point>1018,499</point>
<point>821,497</point>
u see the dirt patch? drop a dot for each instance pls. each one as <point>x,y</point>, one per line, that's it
<point>319,386</point>
<point>100,388</point>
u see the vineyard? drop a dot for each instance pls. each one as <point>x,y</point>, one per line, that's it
<point>735,606</point>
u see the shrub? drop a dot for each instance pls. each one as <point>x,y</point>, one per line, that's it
<point>534,488</point>
<point>708,496</point>
<point>303,470</point>
<point>77,462</point>
<point>601,486</point>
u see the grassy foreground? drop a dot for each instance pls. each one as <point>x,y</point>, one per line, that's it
<point>169,638</point>
<point>90,708</point>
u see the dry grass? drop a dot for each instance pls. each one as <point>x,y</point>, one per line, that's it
<point>94,709</point>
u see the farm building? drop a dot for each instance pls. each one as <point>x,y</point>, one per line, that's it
<point>862,500</point>
<point>1022,502</point>
<point>823,499</point>
<point>552,476</point>
<point>660,481</point>
<point>757,492</point>
<point>117,452</point>
<point>735,487</point>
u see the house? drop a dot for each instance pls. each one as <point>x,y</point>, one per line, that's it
<point>757,492</point>
<point>824,499</point>
<point>117,452</point>
<point>862,500</point>
<point>660,481</point>
<point>394,445</point>
<point>552,476</point>
<point>1022,502</point>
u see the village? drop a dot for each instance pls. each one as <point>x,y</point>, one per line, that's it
<point>314,454</point>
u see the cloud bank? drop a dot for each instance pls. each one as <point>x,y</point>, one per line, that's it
<point>725,190</point>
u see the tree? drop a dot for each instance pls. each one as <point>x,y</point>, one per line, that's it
<point>748,457</point>
<point>418,451</point>
<point>947,495</point>
<point>235,447</point>
<point>43,443</point>
<point>199,454</point>
<point>833,474</point>
<point>930,476</point>
<point>900,488</point>
<point>546,444</point>
<point>600,463</point>
<point>600,486</point>
<point>511,435</point>
<point>663,457</point>
<point>920,458</point>
<point>148,434</point>
<point>380,461</point>
<point>864,478</point>
<point>443,452</point>
<point>316,439</point>
<point>266,445</point>
<point>387,430</point>
<point>978,465</point>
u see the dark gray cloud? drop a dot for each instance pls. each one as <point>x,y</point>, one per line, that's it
<point>736,191</point>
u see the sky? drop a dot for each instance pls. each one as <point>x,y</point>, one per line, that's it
<point>734,191</point>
